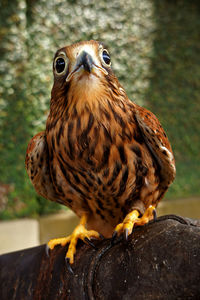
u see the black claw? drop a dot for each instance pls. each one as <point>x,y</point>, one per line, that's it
<point>113,237</point>
<point>126,234</point>
<point>47,250</point>
<point>101,236</point>
<point>68,265</point>
<point>154,215</point>
<point>90,243</point>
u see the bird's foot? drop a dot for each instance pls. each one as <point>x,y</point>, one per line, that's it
<point>133,219</point>
<point>80,232</point>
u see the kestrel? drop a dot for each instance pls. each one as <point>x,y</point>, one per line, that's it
<point>102,155</point>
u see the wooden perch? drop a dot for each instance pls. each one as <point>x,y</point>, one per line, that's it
<point>161,260</point>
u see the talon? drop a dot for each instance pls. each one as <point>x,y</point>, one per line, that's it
<point>47,250</point>
<point>80,232</point>
<point>126,234</point>
<point>68,265</point>
<point>131,220</point>
<point>101,236</point>
<point>154,215</point>
<point>88,241</point>
<point>113,237</point>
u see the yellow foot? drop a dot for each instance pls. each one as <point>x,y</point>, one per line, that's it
<point>132,219</point>
<point>80,232</point>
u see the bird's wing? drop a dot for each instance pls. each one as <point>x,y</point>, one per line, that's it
<point>37,166</point>
<point>158,144</point>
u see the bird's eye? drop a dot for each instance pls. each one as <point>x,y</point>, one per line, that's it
<point>60,65</point>
<point>106,57</point>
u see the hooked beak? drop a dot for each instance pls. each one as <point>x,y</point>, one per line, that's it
<point>85,62</point>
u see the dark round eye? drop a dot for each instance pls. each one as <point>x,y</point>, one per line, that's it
<point>106,57</point>
<point>60,65</point>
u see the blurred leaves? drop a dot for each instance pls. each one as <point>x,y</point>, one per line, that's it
<point>154,47</point>
<point>174,89</point>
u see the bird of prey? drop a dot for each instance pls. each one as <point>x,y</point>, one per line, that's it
<point>102,155</point>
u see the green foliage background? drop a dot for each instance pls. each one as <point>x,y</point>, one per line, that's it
<point>155,50</point>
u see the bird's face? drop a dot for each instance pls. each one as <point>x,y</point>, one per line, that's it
<point>83,63</point>
<point>83,77</point>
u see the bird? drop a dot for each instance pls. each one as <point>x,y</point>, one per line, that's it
<point>101,154</point>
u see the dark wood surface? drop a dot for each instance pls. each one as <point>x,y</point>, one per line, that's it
<point>160,260</point>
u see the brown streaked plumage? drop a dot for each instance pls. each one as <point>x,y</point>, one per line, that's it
<point>100,154</point>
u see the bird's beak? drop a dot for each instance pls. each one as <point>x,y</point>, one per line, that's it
<point>86,63</point>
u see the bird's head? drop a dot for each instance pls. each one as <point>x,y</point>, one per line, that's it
<point>82,74</point>
<point>81,62</point>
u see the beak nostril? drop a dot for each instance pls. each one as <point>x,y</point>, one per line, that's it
<point>86,61</point>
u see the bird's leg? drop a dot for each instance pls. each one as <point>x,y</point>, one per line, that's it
<point>80,232</point>
<point>133,219</point>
